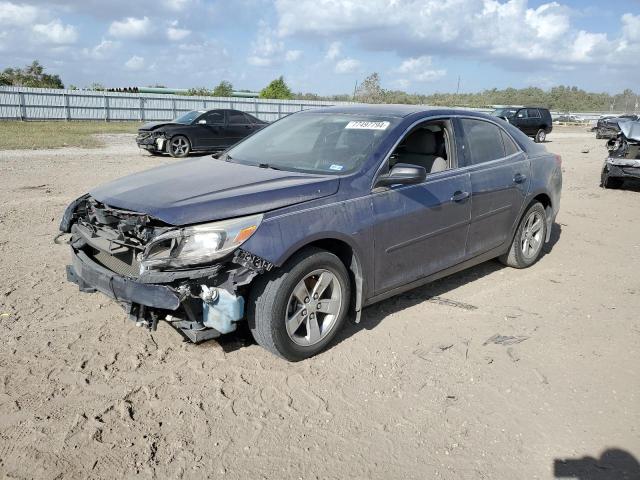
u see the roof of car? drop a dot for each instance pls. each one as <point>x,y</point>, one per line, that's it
<point>389,110</point>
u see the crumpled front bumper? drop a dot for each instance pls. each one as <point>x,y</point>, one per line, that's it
<point>91,276</point>
<point>151,142</point>
<point>623,168</point>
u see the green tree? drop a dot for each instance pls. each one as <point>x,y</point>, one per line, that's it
<point>30,76</point>
<point>224,89</point>
<point>198,92</point>
<point>277,89</point>
<point>370,91</point>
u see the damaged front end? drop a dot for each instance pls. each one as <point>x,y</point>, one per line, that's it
<point>153,140</point>
<point>194,277</point>
<point>624,154</point>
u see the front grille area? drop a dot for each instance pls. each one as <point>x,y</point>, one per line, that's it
<point>123,263</point>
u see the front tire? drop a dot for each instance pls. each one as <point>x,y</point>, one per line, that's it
<point>296,311</point>
<point>179,146</point>
<point>529,239</point>
<point>541,136</point>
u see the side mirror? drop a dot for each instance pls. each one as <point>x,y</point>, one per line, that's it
<point>402,174</point>
<point>202,122</point>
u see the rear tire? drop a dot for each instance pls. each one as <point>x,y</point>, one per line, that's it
<point>541,136</point>
<point>529,239</point>
<point>179,146</point>
<point>273,305</point>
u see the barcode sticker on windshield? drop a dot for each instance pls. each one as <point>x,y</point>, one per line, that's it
<point>367,125</point>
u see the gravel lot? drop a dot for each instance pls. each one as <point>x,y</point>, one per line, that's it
<point>414,391</point>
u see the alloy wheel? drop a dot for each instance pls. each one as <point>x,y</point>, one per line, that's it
<point>179,146</point>
<point>531,239</point>
<point>313,307</point>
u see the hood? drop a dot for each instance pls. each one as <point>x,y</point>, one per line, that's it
<point>154,125</point>
<point>631,130</point>
<point>204,190</point>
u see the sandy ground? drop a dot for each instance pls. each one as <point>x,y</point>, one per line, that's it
<point>414,391</point>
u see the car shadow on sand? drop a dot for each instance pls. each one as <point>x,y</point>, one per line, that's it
<point>613,464</point>
<point>434,292</point>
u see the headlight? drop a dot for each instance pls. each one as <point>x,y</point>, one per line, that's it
<point>199,244</point>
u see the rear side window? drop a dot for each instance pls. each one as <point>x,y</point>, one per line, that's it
<point>509,146</point>
<point>533,113</point>
<point>250,118</point>
<point>237,118</point>
<point>483,140</point>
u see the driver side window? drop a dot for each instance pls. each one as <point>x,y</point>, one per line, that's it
<point>428,145</point>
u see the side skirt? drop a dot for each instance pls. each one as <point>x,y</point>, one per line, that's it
<point>491,254</point>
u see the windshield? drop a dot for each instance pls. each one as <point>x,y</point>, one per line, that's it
<point>189,117</point>
<point>504,112</point>
<point>330,143</point>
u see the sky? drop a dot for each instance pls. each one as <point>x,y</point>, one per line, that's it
<point>326,46</point>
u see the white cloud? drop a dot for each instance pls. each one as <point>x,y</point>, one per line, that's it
<point>175,34</point>
<point>13,14</point>
<point>135,63</point>
<point>419,69</point>
<point>56,32</point>
<point>131,27</point>
<point>333,51</point>
<point>102,50</point>
<point>292,55</point>
<point>631,27</point>
<point>504,31</point>
<point>268,50</point>
<point>176,5</point>
<point>347,65</point>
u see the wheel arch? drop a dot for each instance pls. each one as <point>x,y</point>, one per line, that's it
<point>348,255</point>
<point>543,198</point>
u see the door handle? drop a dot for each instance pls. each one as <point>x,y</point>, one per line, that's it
<point>459,196</point>
<point>519,178</point>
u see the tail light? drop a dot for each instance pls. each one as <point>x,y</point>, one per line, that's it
<point>558,160</point>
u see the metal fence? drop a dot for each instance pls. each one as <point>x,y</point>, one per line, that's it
<point>21,103</point>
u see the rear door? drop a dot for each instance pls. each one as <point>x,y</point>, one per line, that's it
<point>239,126</point>
<point>421,229</point>
<point>499,175</point>
<point>535,120</point>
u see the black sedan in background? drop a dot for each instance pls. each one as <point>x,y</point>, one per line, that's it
<point>197,131</point>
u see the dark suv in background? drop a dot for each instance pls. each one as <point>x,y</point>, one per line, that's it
<point>533,121</point>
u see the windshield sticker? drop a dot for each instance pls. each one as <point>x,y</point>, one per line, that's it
<point>336,167</point>
<point>367,125</point>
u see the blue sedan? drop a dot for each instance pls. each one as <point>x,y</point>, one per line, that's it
<point>314,217</point>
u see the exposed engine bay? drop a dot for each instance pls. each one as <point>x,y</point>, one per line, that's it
<point>131,257</point>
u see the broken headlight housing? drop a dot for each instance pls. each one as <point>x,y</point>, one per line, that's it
<point>197,245</point>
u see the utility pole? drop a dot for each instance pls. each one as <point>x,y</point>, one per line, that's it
<point>355,88</point>
<point>458,88</point>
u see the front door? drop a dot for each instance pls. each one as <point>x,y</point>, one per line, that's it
<point>210,129</point>
<point>422,229</point>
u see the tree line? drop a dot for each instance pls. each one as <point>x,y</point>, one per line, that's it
<point>560,98</point>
